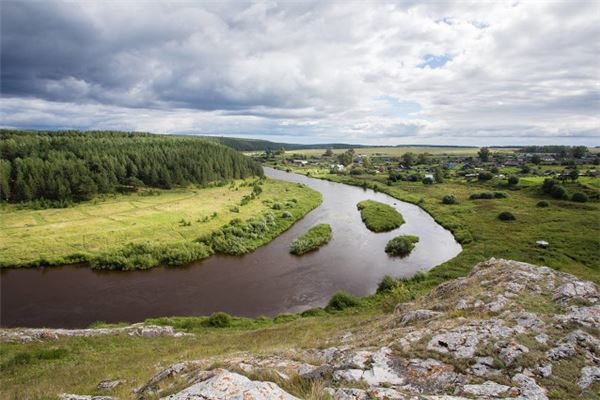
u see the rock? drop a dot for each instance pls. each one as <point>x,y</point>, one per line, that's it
<point>508,352</point>
<point>25,335</point>
<point>429,375</point>
<point>168,372</point>
<point>567,347</point>
<point>348,375</point>
<point>486,389</point>
<point>576,290</point>
<point>530,390</point>
<point>498,304</point>
<point>109,384</point>
<point>589,375</point>
<point>67,396</point>
<point>542,338</point>
<point>358,359</point>
<point>225,385</point>
<point>585,316</point>
<point>483,367</point>
<point>385,394</point>
<point>347,394</point>
<point>545,370</point>
<point>459,344</point>
<point>417,315</point>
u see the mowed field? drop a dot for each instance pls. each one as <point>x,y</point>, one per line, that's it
<point>398,151</point>
<point>112,222</point>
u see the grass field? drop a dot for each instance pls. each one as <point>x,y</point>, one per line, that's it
<point>379,217</point>
<point>398,151</point>
<point>107,224</point>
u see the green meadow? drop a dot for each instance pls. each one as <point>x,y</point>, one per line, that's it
<point>109,222</point>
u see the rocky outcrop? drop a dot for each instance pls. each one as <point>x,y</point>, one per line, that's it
<point>506,331</point>
<point>26,335</point>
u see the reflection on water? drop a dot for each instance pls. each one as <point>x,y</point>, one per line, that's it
<point>268,281</point>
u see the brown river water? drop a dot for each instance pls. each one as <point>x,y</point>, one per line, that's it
<point>267,282</point>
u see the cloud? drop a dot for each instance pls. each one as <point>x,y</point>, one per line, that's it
<point>371,73</point>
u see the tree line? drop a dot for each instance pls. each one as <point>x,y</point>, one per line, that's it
<point>72,166</point>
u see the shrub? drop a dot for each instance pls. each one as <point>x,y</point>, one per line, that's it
<point>484,195</point>
<point>427,181</point>
<point>559,192</point>
<point>513,180</point>
<point>276,206</point>
<point>399,294</point>
<point>506,216</point>
<point>312,239</point>
<point>549,184</point>
<point>579,197</point>
<point>281,318</point>
<point>313,312</point>
<point>342,300</point>
<point>387,284</point>
<point>543,204</point>
<point>286,214</point>
<point>234,209</point>
<point>401,245</point>
<point>219,320</point>
<point>500,195</point>
<point>485,176</point>
<point>449,199</point>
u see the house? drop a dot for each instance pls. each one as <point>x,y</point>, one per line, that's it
<point>338,167</point>
<point>301,163</point>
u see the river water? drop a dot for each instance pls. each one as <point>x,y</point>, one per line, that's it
<point>268,281</point>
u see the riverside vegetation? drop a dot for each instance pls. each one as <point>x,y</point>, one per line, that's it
<point>401,246</point>
<point>379,217</point>
<point>132,200</point>
<point>312,239</point>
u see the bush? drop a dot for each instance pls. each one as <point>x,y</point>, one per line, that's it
<point>500,195</point>
<point>401,245</point>
<point>549,184</point>
<point>449,199</point>
<point>312,239</point>
<point>276,206</point>
<point>485,176</point>
<point>342,300</point>
<point>286,214</point>
<point>559,192</point>
<point>579,197</point>
<point>219,320</point>
<point>543,204</point>
<point>506,216</point>
<point>387,284</point>
<point>485,195</point>
<point>313,312</point>
<point>513,180</point>
<point>427,181</point>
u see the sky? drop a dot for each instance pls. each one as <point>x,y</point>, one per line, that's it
<point>480,73</point>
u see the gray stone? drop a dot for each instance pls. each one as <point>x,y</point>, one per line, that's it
<point>67,396</point>
<point>508,352</point>
<point>109,384</point>
<point>225,385</point>
<point>585,316</point>
<point>530,390</point>
<point>417,315</point>
<point>589,375</point>
<point>347,394</point>
<point>459,344</point>
<point>576,290</point>
<point>487,388</point>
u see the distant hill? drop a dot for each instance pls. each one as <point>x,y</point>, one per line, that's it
<point>241,144</point>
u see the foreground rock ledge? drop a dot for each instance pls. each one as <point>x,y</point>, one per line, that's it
<point>509,330</point>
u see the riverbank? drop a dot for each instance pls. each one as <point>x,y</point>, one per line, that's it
<point>169,218</point>
<point>508,328</point>
<point>571,228</point>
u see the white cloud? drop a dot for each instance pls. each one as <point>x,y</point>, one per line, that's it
<point>308,72</point>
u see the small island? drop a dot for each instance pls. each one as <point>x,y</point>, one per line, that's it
<point>379,217</point>
<point>312,239</point>
<point>401,246</point>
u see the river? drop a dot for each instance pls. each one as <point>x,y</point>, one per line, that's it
<point>267,282</point>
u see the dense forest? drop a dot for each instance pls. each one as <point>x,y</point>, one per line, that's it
<point>59,167</point>
<point>241,144</point>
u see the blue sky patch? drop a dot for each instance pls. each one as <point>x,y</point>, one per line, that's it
<point>432,61</point>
